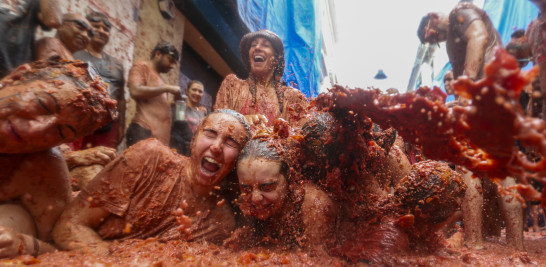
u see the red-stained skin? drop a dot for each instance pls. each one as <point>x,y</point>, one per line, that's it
<point>263,187</point>
<point>49,111</point>
<point>262,58</point>
<point>217,146</point>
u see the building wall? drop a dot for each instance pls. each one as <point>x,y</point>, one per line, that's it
<point>137,25</point>
<point>124,24</point>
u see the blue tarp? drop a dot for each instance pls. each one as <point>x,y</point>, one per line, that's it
<point>297,23</point>
<point>507,16</point>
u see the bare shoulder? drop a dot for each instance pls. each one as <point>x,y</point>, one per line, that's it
<point>315,197</point>
<point>140,64</point>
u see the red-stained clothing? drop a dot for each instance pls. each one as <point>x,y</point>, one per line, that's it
<point>51,46</point>
<point>234,94</point>
<point>143,187</point>
<point>536,34</point>
<point>153,113</point>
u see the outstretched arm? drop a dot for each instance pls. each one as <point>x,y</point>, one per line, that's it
<point>476,36</point>
<point>76,227</point>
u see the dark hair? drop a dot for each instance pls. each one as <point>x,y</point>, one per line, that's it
<point>96,16</point>
<point>263,149</point>
<point>518,33</point>
<point>421,29</point>
<point>166,48</point>
<point>192,82</point>
<point>278,72</point>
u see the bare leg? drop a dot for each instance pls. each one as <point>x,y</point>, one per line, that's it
<point>492,217</point>
<point>472,211</point>
<point>513,217</point>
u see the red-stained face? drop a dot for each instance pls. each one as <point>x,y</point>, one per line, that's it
<point>37,115</point>
<point>215,148</point>
<point>262,57</point>
<point>165,63</point>
<point>263,187</point>
<point>75,33</point>
<point>102,33</point>
<point>195,93</point>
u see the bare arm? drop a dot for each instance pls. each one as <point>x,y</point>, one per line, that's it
<point>50,13</point>
<point>13,244</point>
<point>139,91</point>
<point>96,155</point>
<point>75,228</point>
<point>476,36</point>
<point>319,213</point>
<point>138,83</point>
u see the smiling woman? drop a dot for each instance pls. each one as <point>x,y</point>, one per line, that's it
<point>151,191</point>
<point>262,97</point>
<point>279,209</point>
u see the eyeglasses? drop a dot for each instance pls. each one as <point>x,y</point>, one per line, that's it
<point>82,26</point>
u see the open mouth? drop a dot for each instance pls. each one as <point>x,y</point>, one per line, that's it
<point>260,210</point>
<point>209,165</point>
<point>259,59</point>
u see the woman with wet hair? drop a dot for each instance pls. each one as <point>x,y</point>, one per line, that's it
<point>262,97</point>
<point>152,191</point>
<point>279,209</point>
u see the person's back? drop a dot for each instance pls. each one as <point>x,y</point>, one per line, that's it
<point>460,20</point>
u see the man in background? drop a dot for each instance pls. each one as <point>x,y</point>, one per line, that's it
<point>110,70</point>
<point>72,36</point>
<point>471,42</point>
<point>154,98</point>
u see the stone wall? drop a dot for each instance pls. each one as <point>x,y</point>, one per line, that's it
<point>137,25</point>
<point>153,28</point>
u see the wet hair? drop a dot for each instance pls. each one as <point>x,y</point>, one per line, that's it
<point>96,16</point>
<point>192,82</point>
<point>278,72</point>
<point>518,33</point>
<point>421,29</point>
<point>263,149</point>
<point>166,48</point>
<point>238,116</point>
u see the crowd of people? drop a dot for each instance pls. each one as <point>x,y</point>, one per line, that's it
<point>263,168</point>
